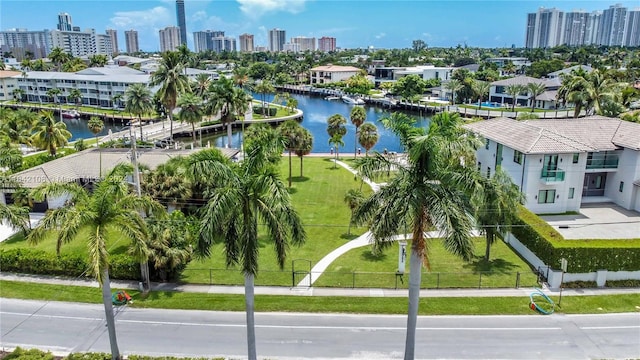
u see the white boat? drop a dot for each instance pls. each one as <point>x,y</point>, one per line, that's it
<point>352,101</point>
<point>332,98</point>
<point>70,114</point>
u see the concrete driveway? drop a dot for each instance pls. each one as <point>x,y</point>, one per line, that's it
<point>597,221</point>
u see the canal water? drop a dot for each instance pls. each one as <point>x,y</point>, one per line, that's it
<point>316,112</point>
<point>79,128</point>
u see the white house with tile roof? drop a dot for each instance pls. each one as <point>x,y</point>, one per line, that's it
<point>560,164</point>
<point>331,73</point>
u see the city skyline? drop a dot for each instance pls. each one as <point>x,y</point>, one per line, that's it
<point>380,24</point>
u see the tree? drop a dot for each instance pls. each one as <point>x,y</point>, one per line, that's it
<point>454,86</point>
<point>496,203</point>
<point>481,89</point>
<point>263,88</point>
<point>201,86</point>
<point>229,101</point>
<point>75,96</point>
<point>336,130</point>
<point>18,94</point>
<point>535,89</point>
<point>353,198</point>
<point>58,57</point>
<point>409,87</point>
<point>428,192</point>
<point>418,45</point>
<point>243,197</point>
<point>241,76</point>
<point>305,146</point>
<point>172,82</point>
<point>138,101</point>
<point>403,126</point>
<point>358,116</point>
<point>53,93</point>
<point>13,215</point>
<point>110,211</point>
<point>169,183</point>
<point>292,134</point>
<point>96,126</point>
<point>50,134</point>
<point>513,91</point>
<point>98,60</point>
<point>74,65</point>
<point>368,136</point>
<point>191,111</point>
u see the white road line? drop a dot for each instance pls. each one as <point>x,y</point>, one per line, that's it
<point>52,316</point>
<point>610,327</point>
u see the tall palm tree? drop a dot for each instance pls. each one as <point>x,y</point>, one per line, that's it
<point>15,216</point>
<point>76,96</point>
<point>18,94</point>
<point>110,211</point>
<point>481,89</point>
<point>496,202</point>
<point>263,88</point>
<point>58,57</point>
<point>600,88</point>
<point>535,89</point>
<point>514,90</point>
<point>243,197</point>
<point>292,134</point>
<point>368,136</point>
<point>138,101</point>
<point>454,85</point>
<point>428,192</point>
<point>241,76</point>
<point>358,116</point>
<point>191,111</point>
<point>336,130</point>
<point>304,147</point>
<point>172,81</point>
<point>98,60</point>
<point>96,126</point>
<point>201,85</point>
<point>53,93</point>
<point>353,198</point>
<point>229,101</point>
<point>50,134</point>
<point>74,65</point>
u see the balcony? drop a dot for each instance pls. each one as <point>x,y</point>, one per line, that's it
<point>604,160</point>
<point>549,176</point>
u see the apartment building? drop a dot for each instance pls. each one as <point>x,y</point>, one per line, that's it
<point>131,39</point>
<point>327,44</point>
<point>19,42</point>
<point>169,38</point>
<point>277,39</point>
<point>246,43</point>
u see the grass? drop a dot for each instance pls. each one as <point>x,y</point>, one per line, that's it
<point>82,108</point>
<point>508,108</point>
<point>361,268</point>
<point>357,305</point>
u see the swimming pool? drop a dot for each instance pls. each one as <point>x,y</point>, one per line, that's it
<point>490,104</point>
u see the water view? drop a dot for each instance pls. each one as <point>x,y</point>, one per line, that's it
<point>79,129</point>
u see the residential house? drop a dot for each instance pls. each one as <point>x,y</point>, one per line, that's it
<point>561,164</point>
<point>331,73</point>
<point>547,100</point>
<point>8,83</point>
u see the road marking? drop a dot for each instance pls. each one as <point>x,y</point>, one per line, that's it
<point>610,327</point>
<point>52,316</point>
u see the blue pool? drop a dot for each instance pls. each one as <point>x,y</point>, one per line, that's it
<point>490,104</point>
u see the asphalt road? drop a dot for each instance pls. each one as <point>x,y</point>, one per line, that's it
<point>65,327</point>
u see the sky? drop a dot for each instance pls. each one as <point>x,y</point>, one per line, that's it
<point>354,23</point>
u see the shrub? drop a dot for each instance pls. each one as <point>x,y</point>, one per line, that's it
<point>31,354</point>
<point>88,356</point>
<point>270,111</point>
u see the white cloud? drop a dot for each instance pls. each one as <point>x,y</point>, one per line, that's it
<point>199,16</point>
<point>156,17</point>
<point>381,35</point>
<point>257,8</point>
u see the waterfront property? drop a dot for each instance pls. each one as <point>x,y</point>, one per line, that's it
<point>8,84</point>
<point>561,164</point>
<point>547,100</point>
<point>331,74</point>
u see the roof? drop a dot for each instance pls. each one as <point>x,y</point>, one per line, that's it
<point>8,73</point>
<point>336,68</point>
<point>549,95</point>
<point>112,74</point>
<point>518,80</point>
<point>593,133</point>
<point>85,164</point>
<point>586,68</point>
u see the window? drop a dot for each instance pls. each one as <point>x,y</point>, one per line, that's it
<point>571,192</point>
<point>486,144</point>
<point>488,172</point>
<point>517,157</point>
<point>576,157</point>
<point>546,196</point>
<point>621,186</point>
<point>479,166</point>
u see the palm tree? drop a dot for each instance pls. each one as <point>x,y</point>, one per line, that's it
<point>98,60</point>
<point>138,101</point>
<point>58,57</point>
<point>76,96</point>
<point>169,183</point>
<point>336,130</point>
<point>353,198</point>
<point>53,94</point>
<point>39,65</point>
<point>428,192</point>
<point>185,56</point>
<point>264,87</point>
<point>172,82</point>
<point>454,86</point>
<point>110,211</point>
<point>240,76</point>
<point>191,111</point>
<point>358,116</point>
<point>18,94</point>
<point>600,88</point>
<point>243,197</point>
<point>50,134</point>
<point>481,88</point>
<point>292,134</point>
<point>96,126</point>
<point>368,136</point>
<point>496,202</point>
<point>115,100</point>
<point>305,146</point>
<point>201,86</point>
<point>228,101</point>
<point>535,89</point>
<point>291,104</point>
<point>514,90</point>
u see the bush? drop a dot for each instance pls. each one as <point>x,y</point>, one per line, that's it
<point>34,160</point>
<point>88,356</point>
<point>270,111</point>
<point>31,354</point>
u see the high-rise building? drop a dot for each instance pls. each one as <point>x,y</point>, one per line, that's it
<point>632,28</point>
<point>545,30</point>
<point>327,44</point>
<point>113,34</point>
<point>131,38</point>
<point>20,41</point>
<point>575,27</point>
<point>104,44</point>
<point>182,23</point>
<point>612,26</point>
<point>223,43</point>
<point>169,38</point>
<point>291,47</point>
<point>64,22</point>
<point>246,43</point>
<point>593,28</point>
<point>81,43</point>
<point>276,40</point>
<point>203,40</point>
<point>305,43</point>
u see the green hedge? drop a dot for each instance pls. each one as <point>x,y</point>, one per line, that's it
<point>34,261</point>
<point>36,354</point>
<point>34,160</point>
<point>270,111</point>
<point>544,241</point>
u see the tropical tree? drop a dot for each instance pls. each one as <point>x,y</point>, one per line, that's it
<point>263,88</point>
<point>368,136</point>
<point>98,60</point>
<point>191,111</point>
<point>227,100</point>
<point>353,198</point>
<point>10,156</point>
<point>481,89</point>
<point>109,212</point>
<point>39,65</point>
<point>138,101</point>
<point>18,94</point>
<point>96,126</point>
<point>403,126</point>
<point>304,147</point>
<point>242,197</point>
<point>291,104</point>
<point>74,65</point>
<point>336,130</point>
<point>50,134</point>
<point>292,134</point>
<point>428,192</point>
<point>358,116</point>
<point>172,82</point>
<point>201,85</point>
<point>454,86</point>
<point>241,76</point>
<point>58,57</point>
<point>496,201</point>
<point>513,91</point>
<point>535,89</point>
<point>53,93</point>
<point>170,244</point>
<point>169,183</point>
<point>75,96</point>
<point>13,215</point>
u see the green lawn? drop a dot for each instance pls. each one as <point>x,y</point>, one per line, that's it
<point>361,268</point>
<point>321,304</point>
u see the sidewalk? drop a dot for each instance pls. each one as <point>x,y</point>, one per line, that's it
<point>311,291</point>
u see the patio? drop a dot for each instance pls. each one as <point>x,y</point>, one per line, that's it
<point>597,221</point>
